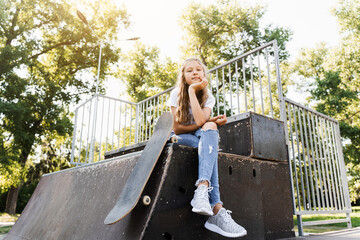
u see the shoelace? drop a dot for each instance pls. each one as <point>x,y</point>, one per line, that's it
<point>227,216</point>
<point>205,196</point>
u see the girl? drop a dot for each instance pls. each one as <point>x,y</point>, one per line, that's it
<point>191,105</point>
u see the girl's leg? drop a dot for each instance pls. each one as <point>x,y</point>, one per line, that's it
<point>208,160</point>
<point>187,139</point>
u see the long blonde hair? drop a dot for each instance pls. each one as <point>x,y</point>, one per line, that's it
<point>183,101</point>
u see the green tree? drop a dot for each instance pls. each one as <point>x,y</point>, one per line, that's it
<point>45,51</point>
<point>219,32</point>
<point>146,75</point>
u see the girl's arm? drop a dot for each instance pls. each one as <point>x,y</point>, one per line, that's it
<point>201,115</point>
<point>180,128</point>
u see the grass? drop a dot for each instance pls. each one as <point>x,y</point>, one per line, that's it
<point>4,217</point>
<point>5,230</point>
<point>355,221</point>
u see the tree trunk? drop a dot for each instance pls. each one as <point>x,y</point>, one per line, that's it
<point>11,200</point>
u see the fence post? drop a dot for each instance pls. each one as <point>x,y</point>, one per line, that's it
<point>343,174</point>
<point>280,93</point>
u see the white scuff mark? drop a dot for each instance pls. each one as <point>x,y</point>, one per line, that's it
<point>210,149</point>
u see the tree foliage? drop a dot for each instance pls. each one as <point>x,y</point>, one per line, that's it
<point>45,51</point>
<point>219,32</point>
<point>146,74</point>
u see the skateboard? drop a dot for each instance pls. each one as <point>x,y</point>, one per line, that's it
<point>137,180</point>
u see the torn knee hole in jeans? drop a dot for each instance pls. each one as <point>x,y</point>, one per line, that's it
<point>201,180</point>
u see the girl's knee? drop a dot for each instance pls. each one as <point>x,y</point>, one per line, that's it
<point>209,125</point>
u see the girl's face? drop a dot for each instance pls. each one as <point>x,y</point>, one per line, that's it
<point>193,72</point>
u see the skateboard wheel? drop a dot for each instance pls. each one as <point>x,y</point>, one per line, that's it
<point>173,139</point>
<point>146,200</point>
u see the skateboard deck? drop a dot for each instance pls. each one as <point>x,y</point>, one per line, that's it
<point>137,180</point>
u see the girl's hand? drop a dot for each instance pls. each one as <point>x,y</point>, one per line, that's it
<point>200,85</point>
<point>219,120</point>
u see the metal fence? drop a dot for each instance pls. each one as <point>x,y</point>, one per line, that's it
<point>316,164</point>
<point>250,82</point>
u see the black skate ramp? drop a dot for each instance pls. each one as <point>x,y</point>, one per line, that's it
<point>72,204</point>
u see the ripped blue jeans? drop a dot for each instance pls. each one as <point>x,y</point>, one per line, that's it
<point>207,143</point>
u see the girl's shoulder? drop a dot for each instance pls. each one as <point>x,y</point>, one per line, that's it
<point>175,91</point>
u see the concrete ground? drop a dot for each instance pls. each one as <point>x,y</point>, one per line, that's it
<point>346,234</point>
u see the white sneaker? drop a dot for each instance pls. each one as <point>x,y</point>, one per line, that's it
<point>200,201</point>
<point>223,224</point>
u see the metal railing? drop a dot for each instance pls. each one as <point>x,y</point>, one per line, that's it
<point>316,164</point>
<point>102,124</point>
<point>250,82</point>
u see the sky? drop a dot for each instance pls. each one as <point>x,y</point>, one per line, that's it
<point>156,22</point>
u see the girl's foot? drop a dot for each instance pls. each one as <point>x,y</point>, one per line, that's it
<point>223,224</point>
<point>200,202</point>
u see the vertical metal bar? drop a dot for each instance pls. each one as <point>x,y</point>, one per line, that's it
<point>107,126</point>
<point>245,93</point>
<point>74,137</point>
<point>137,123</point>
<point>326,162</point>
<point>217,93</point>
<point>252,84</point>
<point>299,160</point>
<point>279,85</point>
<point>304,158</point>
<point>88,133</point>
<point>290,166</point>
<point>162,104</point>
<point>113,127</point>
<point>333,159</point>
<point>158,106</point>
<point>143,122</point>
<point>322,162</point>
<point>119,138</point>
<point>154,109</point>
<point>124,142</point>
<point>146,121</point>
<point>91,156</point>
<point>318,157</point>
<point>300,225</point>
<point>230,82</point>
<point>81,133</point>
<point>261,89</point>
<point>269,82</point>
<point>131,108</point>
<point>237,86</point>
<point>223,87</point>
<point>309,160</point>
<point>313,155</point>
<point>341,200</point>
<point>343,174</point>
<point>101,125</point>
<point>331,186</point>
